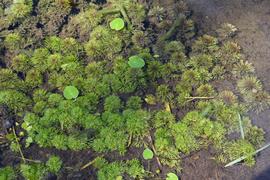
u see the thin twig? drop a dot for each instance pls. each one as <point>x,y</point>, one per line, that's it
<point>130,140</point>
<point>154,150</point>
<point>124,14</point>
<point>90,163</point>
<point>19,146</point>
<point>30,160</point>
<point>195,98</point>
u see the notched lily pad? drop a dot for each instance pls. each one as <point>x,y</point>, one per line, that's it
<point>71,92</point>
<point>136,62</point>
<point>117,24</point>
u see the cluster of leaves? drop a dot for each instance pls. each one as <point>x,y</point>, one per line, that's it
<point>99,92</point>
<point>117,170</point>
<point>33,171</point>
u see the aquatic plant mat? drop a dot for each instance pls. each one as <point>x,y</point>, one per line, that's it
<point>122,89</point>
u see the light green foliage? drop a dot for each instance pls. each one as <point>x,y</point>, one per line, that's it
<point>54,164</point>
<point>134,169</point>
<point>7,173</point>
<point>110,171</point>
<point>239,148</point>
<point>137,122</point>
<point>114,170</point>
<point>163,119</point>
<point>109,140</point>
<point>18,10</point>
<point>13,41</point>
<point>33,171</point>
<point>185,140</point>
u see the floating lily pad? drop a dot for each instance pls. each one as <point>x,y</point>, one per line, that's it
<point>172,176</point>
<point>71,92</point>
<point>148,154</point>
<point>136,62</point>
<point>117,24</point>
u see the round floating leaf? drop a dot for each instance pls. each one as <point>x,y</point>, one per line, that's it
<point>148,154</point>
<point>71,92</point>
<point>136,62</point>
<point>117,24</point>
<point>172,176</point>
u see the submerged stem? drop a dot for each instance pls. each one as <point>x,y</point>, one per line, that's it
<point>17,141</point>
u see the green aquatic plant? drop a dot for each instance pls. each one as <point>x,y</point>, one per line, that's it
<point>228,97</point>
<point>33,171</point>
<point>54,164</point>
<point>243,68</point>
<point>258,101</point>
<point>205,90</point>
<point>103,44</point>
<point>7,173</point>
<point>249,84</point>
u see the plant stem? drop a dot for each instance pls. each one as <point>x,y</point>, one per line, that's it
<point>130,140</point>
<point>105,12</point>
<point>154,150</point>
<point>89,164</point>
<point>177,23</point>
<point>194,98</point>
<point>17,141</point>
<point>30,160</point>
<point>124,14</point>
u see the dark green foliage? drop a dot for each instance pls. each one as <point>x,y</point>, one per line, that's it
<point>114,72</point>
<point>15,100</point>
<point>112,104</point>
<point>134,102</point>
<point>132,168</point>
<point>104,44</point>
<point>137,122</point>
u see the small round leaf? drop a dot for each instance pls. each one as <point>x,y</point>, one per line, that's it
<point>71,92</point>
<point>117,24</point>
<point>136,62</point>
<point>172,176</point>
<point>148,154</point>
